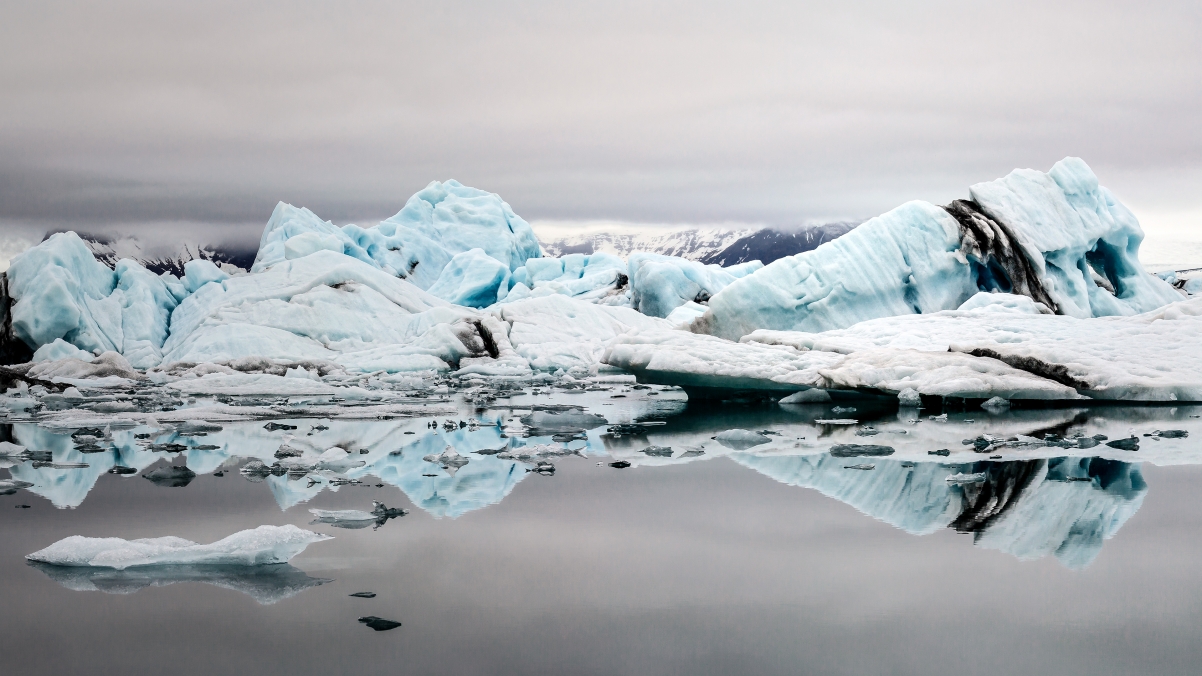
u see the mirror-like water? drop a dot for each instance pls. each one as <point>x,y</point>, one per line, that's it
<point>631,534</point>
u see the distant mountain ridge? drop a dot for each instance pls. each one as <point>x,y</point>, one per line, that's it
<point>706,245</point>
<point>160,258</point>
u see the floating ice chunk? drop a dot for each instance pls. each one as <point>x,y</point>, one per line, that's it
<point>473,279</point>
<point>909,397</point>
<point>344,518</point>
<point>61,349</point>
<point>1193,286</point>
<point>962,478</point>
<point>810,396</point>
<point>741,439</point>
<point>258,546</point>
<point>996,404</point>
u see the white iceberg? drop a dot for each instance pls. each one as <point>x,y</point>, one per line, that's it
<point>258,546</point>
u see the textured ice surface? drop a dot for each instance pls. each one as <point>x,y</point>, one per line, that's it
<point>472,278</point>
<point>556,331</point>
<point>438,222</point>
<point>1080,242</point>
<point>1148,357</point>
<point>660,284</point>
<point>905,261</point>
<point>61,291</point>
<point>597,277</point>
<point>258,546</point>
<point>697,361</point>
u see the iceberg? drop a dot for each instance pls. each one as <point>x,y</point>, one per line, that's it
<point>1058,238</point>
<point>659,284</point>
<point>473,279</point>
<point>438,222</point>
<point>255,547</point>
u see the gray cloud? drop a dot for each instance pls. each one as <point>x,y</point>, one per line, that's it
<point>779,112</point>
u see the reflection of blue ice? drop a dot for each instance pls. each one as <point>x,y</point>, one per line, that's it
<point>265,584</point>
<point>1064,507</point>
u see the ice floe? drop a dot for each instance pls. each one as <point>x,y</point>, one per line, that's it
<point>254,547</point>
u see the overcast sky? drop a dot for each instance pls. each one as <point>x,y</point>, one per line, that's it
<point>201,116</point>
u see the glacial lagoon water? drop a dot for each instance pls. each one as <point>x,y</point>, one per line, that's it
<point>799,549</point>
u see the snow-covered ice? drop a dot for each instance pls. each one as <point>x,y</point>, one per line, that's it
<point>258,546</point>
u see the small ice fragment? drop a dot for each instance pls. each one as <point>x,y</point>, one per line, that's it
<point>996,405</point>
<point>836,421</point>
<point>1171,434</point>
<point>174,476</point>
<point>962,478</point>
<point>858,450</point>
<point>379,623</point>
<point>909,398</point>
<point>863,467</point>
<point>741,439</point>
<point>364,595</point>
<point>1128,444</point>
<point>620,464</point>
<point>943,452</point>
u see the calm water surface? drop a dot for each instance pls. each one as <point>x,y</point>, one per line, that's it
<point>774,559</point>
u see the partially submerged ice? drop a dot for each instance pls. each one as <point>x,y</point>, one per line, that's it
<point>258,546</point>
<point>456,282</point>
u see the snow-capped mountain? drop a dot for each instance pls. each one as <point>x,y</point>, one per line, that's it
<point>160,257</point>
<point>707,245</point>
<point>768,245</point>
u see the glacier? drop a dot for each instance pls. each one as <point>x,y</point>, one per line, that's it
<point>456,283</point>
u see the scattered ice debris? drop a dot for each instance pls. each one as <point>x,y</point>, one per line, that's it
<point>860,467</point>
<point>996,405</point>
<point>909,397</point>
<point>859,450</point>
<point>258,546</point>
<point>172,476</point>
<point>741,439</point>
<point>379,623</point>
<point>810,396</point>
<point>962,478</point>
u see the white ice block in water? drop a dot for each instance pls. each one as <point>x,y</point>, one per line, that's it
<point>254,547</point>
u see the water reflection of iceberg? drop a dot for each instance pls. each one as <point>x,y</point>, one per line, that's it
<point>265,584</point>
<point>1065,507</point>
